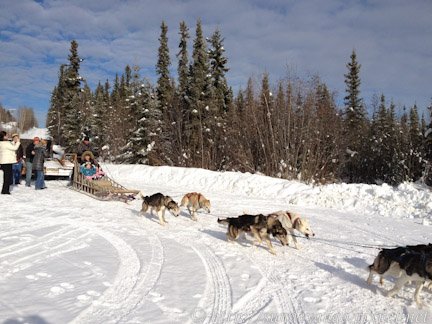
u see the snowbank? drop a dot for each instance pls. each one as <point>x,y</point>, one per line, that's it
<point>406,201</point>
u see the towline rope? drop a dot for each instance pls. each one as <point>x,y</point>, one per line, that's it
<point>368,246</point>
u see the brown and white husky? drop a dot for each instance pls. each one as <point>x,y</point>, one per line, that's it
<point>194,201</point>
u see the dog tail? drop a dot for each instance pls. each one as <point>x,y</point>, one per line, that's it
<point>222,220</point>
<point>141,195</point>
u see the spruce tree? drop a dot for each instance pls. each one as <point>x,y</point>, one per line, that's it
<point>140,148</point>
<point>221,101</point>
<point>199,94</point>
<point>165,96</point>
<point>427,148</point>
<point>53,116</point>
<point>182,99</point>
<point>384,158</point>
<point>56,112</point>
<point>265,112</point>
<point>183,62</point>
<point>99,117</point>
<point>416,152</point>
<point>72,114</point>
<point>355,123</point>
<point>164,91</point>
<point>396,170</point>
<point>218,68</point>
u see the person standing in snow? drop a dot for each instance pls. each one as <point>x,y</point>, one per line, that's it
<point>17,167</point>
<point>29,160</point>
<point>40,153</point>
<point>7,159</point>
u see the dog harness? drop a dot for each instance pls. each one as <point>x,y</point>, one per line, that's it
<point>194,193</point>
<point>294,222</point>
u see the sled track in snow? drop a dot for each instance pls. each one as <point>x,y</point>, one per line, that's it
<point>218,288</point>
<point>275,288</point>
<point>152,273</point>
<point>219,292</point>
<point>253,302</point>
<point>23,255</point>
<point>24,227</point>
<point>23,245</point>
<point>131,284</point>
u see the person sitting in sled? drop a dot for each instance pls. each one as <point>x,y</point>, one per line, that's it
<point>88,170</point>
<point>88,159</point>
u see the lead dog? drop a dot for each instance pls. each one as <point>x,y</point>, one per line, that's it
<point>194,201</point>
<point>259,225</point>
<point>291,221</point>
<point>159,203</point>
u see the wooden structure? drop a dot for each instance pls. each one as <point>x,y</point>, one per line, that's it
<point>104,188</point>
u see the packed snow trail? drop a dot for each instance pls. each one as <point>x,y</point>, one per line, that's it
<point>65,257</point>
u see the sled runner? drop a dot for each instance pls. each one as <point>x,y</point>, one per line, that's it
<point>104,188</point>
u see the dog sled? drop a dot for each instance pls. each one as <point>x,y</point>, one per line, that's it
<point>103,188</point>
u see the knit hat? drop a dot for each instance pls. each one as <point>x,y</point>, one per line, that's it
<point>15,134</point>
<point>86,138</point>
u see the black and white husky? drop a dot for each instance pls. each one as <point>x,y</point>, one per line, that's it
<point>412,263</point>
<point>259,225</point>
<point>160,203</point>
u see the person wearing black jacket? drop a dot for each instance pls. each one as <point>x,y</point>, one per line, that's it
<point>41,152</point>
<point>29,156</point>
<point>85,146</point>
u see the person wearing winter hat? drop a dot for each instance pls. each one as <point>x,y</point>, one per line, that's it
<point>41,152</point>
<point>29,156</point>
<point>17,167</point>
<point>7,159</point>
<point>85,145</point>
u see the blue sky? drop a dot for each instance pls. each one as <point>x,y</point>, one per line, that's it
<point>392,39</point>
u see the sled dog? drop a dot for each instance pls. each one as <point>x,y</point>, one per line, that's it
<point>291,221</point>
<point>194,201</point>
<point>259,225</point>
<point>415,267</point>
<point>407,264</point>
<point>386,262</point>
<point>159,203</point>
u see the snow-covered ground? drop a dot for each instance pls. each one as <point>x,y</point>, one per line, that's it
<point>65,257</point>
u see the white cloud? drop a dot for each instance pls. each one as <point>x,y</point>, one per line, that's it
<point>314,36</point>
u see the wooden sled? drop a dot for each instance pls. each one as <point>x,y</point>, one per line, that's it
<point>104,188</point>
